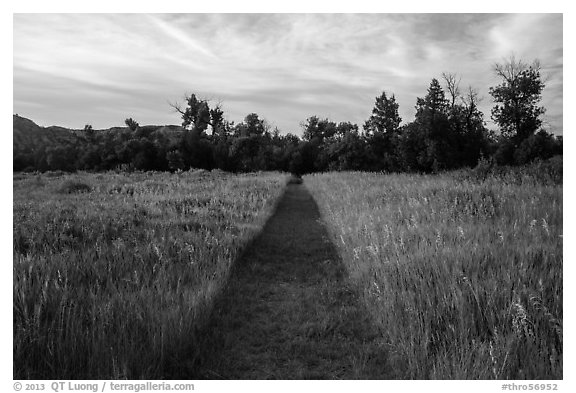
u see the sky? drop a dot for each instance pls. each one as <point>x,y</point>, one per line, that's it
<point>99,69</point>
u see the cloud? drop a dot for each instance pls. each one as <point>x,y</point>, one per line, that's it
<point>284,67</point>
<point>180,36</point>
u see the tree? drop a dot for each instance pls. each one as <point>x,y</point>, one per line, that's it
<point>468,134</point>
<point>254,125</point>
<point>433,127</point>
<point>316,130</point>
<point>453,86</point>
<point>219,126</point>
<point>196,116</point>
<point>306,158</point>
<point>175,160</point>
<point>348,152</point>
<point>89,157</point>
<point>382,130</point>
<point>541,145</point>
<point>411,149</point>
<point>61,157</point>
<point>385,117</point>
<point>434,107</point>
<point>470,104</point>
<point>473,134</point>
<point>244,151</point>
<point>517,112</point>
<point>145,153</point>
<point>132,124</point>
<point>89,132</point>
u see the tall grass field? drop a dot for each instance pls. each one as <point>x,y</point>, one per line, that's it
<point>115,273</point>
<point>462,274</point>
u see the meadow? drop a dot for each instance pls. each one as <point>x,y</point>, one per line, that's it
<point>114,274</point>
<point>462,272</point>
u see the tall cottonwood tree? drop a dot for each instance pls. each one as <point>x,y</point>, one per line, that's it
<point>517,111</point>
<point>197,115</point>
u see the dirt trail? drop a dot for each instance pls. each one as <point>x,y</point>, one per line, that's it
<point>288,311</point>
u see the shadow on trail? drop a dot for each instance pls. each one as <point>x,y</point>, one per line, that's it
<point>288,311</point>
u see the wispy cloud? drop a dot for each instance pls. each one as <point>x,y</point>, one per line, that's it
<point>185,40</point>
<point>284,67</point>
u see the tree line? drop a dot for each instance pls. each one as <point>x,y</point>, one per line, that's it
<point>448,132</point>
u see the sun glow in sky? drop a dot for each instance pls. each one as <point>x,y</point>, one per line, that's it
<point>99,69</point>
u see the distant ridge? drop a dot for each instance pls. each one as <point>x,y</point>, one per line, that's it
<point>29,136</point>
<point>55,147</point>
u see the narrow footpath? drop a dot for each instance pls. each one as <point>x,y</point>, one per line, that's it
<point>288,311</point>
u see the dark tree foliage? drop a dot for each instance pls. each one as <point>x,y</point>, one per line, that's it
<point>175,160</point>
<point>61,158</point>
<point>197,114</point>
<point>348,152</point>
<point>382,133</point>
<point>253,125</point>
<point>385,118</point>
<point>541,145</point>
<point>132,124</point>
<point>89,132</point>
<point>432,126</point>
<point>471,138</point>
<point>448,132</point>
<point>219,126</point>
<point>317,130</point>
<point>517,112</point>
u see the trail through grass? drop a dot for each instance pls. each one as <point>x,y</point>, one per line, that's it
<point>289,311</point>
<point>463,274</point>
<point>114,273</point>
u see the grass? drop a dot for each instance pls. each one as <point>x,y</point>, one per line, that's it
<point>289,311</point>
<point>114,274</point>
<point>462,273</point>
<point>71,186</point>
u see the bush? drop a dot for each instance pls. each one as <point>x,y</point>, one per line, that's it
<point>541,145</point>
